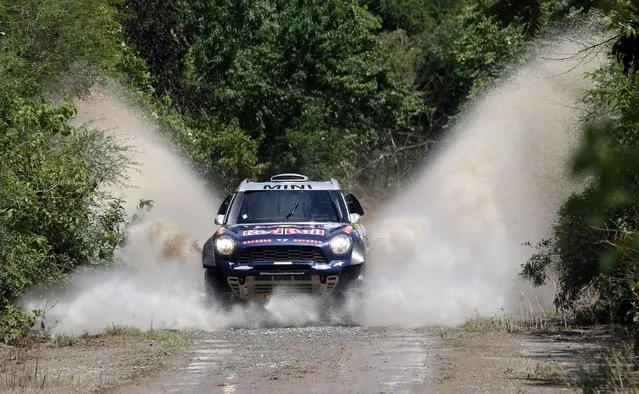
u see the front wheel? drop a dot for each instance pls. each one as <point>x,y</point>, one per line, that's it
<point>217,291</point>
<point>344,306</point>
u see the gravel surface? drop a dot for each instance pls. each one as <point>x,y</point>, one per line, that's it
<point>315,359</point>
<point>369,360</point>
<point>90,364</point>
<point>309,359</point>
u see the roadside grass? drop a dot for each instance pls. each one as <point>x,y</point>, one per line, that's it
<point>28,382</point>
<point>171,340</point>
<point>614,367</point>
<point>18,376</point>
<point>21,366</point>
<point>63,340</point>
<point>524,321</point>
<point>615,370</point>
<point>611,370</point>
<point>550,374</point>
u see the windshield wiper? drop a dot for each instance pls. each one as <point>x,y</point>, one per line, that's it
<point>297,202</point>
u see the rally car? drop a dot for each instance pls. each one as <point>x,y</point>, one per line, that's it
<point>289,235</point>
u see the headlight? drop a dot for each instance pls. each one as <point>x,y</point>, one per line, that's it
<point>340,244</point>
<point>225,245</point>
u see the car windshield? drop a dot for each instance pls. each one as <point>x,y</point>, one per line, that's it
<point>272,206</point>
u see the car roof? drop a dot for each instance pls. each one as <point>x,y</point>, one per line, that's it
<point>288,182</point>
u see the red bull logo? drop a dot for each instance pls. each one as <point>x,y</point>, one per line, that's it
<point>284,231</point>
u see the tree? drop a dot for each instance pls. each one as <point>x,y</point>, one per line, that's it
<point>54,216</point>
<point>596,239</point>
<point>283,69</point>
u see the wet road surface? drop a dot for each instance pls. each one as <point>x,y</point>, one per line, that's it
<point>308,360</point>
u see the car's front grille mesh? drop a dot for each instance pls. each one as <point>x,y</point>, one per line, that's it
<point>282,253</point>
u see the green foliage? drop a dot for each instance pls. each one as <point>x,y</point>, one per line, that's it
<point>527,12</point>
<point>469,48</point>
<point>156,33</point>
<point>264,73</point>
<point>233,154</point>
<point>15,325</point>
<point>277,65</point>
<point>46,38</point>
<point>316,86</point>
<point>55,215</point>
<point>571,256</point>
<point>64,340</point>
<point>412,16</point>
<point>402,55</point>
<point>596,238</point>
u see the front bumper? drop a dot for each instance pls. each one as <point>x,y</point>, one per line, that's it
<point>259,286</point>
<point>250,288</point>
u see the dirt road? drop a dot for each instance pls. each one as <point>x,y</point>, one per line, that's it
<point>368,360</point>
<point>313,359</point>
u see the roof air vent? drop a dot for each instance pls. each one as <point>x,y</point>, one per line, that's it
<point>289,178</point>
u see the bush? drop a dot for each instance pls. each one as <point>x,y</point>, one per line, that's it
<point>55,213</point>
<point>596,239</point>
<point>15,325</point>
<point>52,37</point>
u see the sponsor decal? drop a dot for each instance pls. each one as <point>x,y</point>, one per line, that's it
<point>287,225</point>
<point>307,241</point>
<point>304,231</point>
<point>284,231</point>
<point>287,187</point>
<point>348,230</point>
<point>219,231</point>
<point>257,241</point>
<point>277,273</point>
<point>277,231</point>
<point>360,227</point>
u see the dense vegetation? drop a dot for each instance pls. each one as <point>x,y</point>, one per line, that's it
<point>358,90</point>
<point>328,88</point>
<point>53,214</point>
<point>594,252</point>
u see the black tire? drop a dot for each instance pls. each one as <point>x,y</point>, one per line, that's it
<point>343,306</point>
<point>217,291</point>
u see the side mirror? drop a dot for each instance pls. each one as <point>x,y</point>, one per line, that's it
<point>353,205</point>
<point>354,217</point>
<point>221,212</point>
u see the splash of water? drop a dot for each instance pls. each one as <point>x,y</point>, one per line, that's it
<point>446,248</point>
<point>451,245</point>
<point>159,283</point>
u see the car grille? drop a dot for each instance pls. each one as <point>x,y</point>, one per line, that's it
<point>287,284</point>
<point>282,253</point>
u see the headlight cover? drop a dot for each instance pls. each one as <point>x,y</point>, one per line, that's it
<point>225,245</point>
<point>340,244</point>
